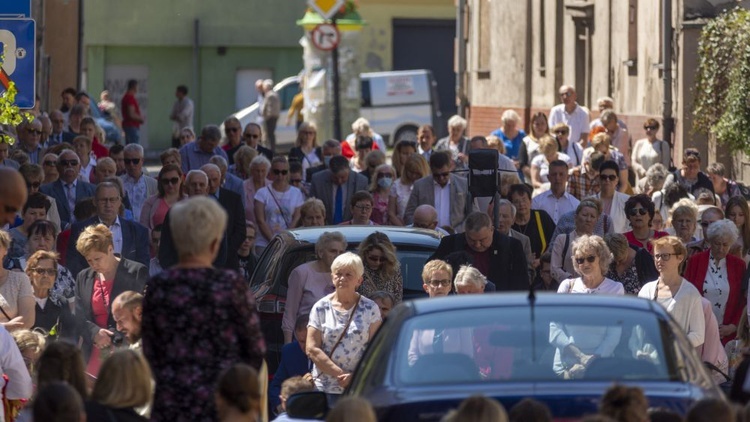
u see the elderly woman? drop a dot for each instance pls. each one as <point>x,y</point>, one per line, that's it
<point>737,212</point>
<point>52,315</point>
<point>719,276</point>
<point>380,188</point>
<point>242,160</point>
<point>401,153</point>
<point>341,324</point>
<point>530,147</point>
<point>602,142</point>
<point>306,150</point>
<point>578,346</point>
<point>186,136</point>
<point>171,156</point>
<point>156,207</point>
<point>309,282</point>
<point>312,213</point>
<point>649,150</point>
<point>259,169</point>
<point>456,142</point>
<point>49,163</point>
<point>415,168</point>
<point>640,212</point>
<point>277,205</point>
<point>684,221</point>
<point>680,298</point>
<point>653,181</point>
<point>96,287</point>
<point>511,134</point>
<point>360,127</point>
<point>197,319</point>
<point>631,265</point>
<point>16,295</point>
<point>382,268</point>
<point>586,214</point>
<point>540,163</point>
<point>561,132</point>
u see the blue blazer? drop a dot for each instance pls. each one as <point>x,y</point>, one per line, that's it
<point>135,244</point>
<point>294,362</point>
<point>57,190</point>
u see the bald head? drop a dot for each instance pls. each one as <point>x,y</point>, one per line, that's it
<point>12,194</point>
<point>425,217</point>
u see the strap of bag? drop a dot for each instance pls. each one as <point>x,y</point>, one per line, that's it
<point>278,205</point>
<point>713,367</point>
<point>543,238</point>
<point>346,328</point>
<point>565,247</point>
<point>5,313</point>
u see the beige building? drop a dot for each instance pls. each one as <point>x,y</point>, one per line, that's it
<point>519,53</point>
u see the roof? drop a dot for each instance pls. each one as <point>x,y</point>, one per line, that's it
<point>356,234</point>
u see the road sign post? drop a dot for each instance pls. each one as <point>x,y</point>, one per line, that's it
<point>18,41</point>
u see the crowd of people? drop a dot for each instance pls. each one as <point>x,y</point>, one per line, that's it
<point>98,253</point>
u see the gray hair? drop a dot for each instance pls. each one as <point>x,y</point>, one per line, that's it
<point>220,162</point>
<point>260,160</point>
<point>457,121</point>
<point>361,125</point>
<point>592,244</point>
<point>505,202</point>
<point>608,116</point>
<point>510,116</point>
<point>196,223</point>
<point>134,148</point>
<point>332,144</point>
<point>327,238</point>
<point>349,260</point>
<point>656,175</point>
<point>211,132</point>
<point>468,275</point>
<point>268,84</point>
<point>477,221</point>
<point>722,230</point>
<point>196,173</point>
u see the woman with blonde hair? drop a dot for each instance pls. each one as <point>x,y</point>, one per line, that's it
<point>242,159</point>
<point>380,188</point>
<point>382,270</point>
<point>401,152</point>
<point>259,168</point>
<point>540,163</point>
<point>312,213</point>
<point>530,146</point>
<point>123,384</point>
<point>238,394</point>
<point>415,168</point>
<point>495,142</point>
<point>306,150</point>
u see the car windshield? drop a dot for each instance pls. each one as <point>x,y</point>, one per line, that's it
<point>557,343</point>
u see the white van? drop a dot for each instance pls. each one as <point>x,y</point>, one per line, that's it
<point>395,103</point>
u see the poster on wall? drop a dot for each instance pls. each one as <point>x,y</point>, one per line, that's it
<point>116,79</point>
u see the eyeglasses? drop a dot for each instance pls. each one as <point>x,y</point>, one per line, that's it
<point>440,283</point>
<point>376,258</point>
<point>590,259</point>
<point>49,163</point>
<point>34,185</point>
<point>649,127</point>
<point>384,175</point>
<point>664,256</point>
<point>295,181</point>
<point>635,211</point>
<point>133,161</point>
<point>605,177</point>
<point>34,131</point>
<point>45,271</point>
<point>705,223</point>
<point>231,129</point>
<point>444,174</point>
<point>280,172</point>
<point>111,200</point>
<point>66,163</point>
<point>363,207</point>
<point>170,181</point>
<point>250,136</point>
<point>692,154</point>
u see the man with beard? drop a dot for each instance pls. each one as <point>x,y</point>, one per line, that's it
<point>127,310</point>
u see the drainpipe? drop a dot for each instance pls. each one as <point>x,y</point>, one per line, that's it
<point>668,121</point>
<point>79,75</point>
<point>196,72</point>
<point>461,57</point>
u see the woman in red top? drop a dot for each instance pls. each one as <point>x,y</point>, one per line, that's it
<point>640,211</point>
<point>718,276</point>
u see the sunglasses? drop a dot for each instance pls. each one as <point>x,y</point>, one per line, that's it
<point>561,132</point>
<point>34,185</point>
<point>363,207</point>
<point>605,177</point>
<point>45,271</point>
<point>664,256</point>
<point>66,163</point>
<point>231,129</point>
<point>637,211</point>
<point>705,223</point>
<point>440,283</point>
<point>133,161</point>
<point>649,127</point>
<point>280,172</point>
<point>34,131</point>
<point>692,154</point>
<point>376,258</point>
<point>170,181</point>
<point>49,163</point>
<point>590,259</point>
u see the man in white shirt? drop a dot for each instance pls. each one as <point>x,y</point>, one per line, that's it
<point>573,115</point>
<point>137,185</point>
<point>182,114</point>
<point>426,140</point>
<point>556,201</point>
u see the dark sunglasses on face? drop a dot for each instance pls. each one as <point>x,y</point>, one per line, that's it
<point>66,163</point>
<point>232,129</point>
<point>610,177</point>
<point>635,211</point>
<point>705,223</point>
<point>589,259</point>
<point>170,181</point>
<point>34,131</point>
<point>561,132</point>
<point>133,161</point>
<point>280,172</point>
<point>49,163</point>
<point>34,185</point>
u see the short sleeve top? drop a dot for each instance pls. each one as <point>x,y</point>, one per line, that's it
<point>16,286</point>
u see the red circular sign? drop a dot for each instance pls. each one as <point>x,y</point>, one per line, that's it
<point>325,37</point>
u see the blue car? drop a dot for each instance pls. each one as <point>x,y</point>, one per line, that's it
<point>509,347</point>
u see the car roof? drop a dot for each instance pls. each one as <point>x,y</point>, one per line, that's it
<point>493,300</point>
<point>356,234</point>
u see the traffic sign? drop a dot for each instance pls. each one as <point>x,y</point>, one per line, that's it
<point>15,8</point>
<point>325,36</point>
<point>326,8</point>
<point>18,41</point>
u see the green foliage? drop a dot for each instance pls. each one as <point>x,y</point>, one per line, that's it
<point>722,87</point>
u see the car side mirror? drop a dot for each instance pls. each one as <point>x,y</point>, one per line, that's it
<point>307,405</point>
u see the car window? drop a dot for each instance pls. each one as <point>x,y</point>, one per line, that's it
<point>262,278</point>
<point>286,95</point>
<point>508,344</point>
<point>366,95</point>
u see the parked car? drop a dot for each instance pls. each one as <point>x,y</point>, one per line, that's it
<point>513,357</point>
<point>292,248</point>
<point>395,103</point>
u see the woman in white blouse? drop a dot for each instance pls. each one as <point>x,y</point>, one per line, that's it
<point>649,150</point>
<point>415,168</point>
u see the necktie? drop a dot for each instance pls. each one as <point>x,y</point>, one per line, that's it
<point>338,208</point>
<point>71,194</point>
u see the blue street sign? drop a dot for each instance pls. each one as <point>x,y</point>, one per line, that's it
<point>15,8</point>
<point>18,42</point>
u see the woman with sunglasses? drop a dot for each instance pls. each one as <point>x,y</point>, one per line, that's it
<point>306,150</point>
<point>680,298</point>
<point>53,314</point>
<point>382,269</point>
<point>380,188</point>
<point>613,202</point>
<point>578,346</point>
<point>277,206</point>
<point>649,150</point>
<point>155,208</point>
<point>640,211</point>
<point>718,276</point>
<point>401,153</point>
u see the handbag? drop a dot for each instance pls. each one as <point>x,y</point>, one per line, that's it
<point>338,341</point>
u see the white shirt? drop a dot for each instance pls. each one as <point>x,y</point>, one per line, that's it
<point>716,286</point>
<point>577,121</point>
<point>554,206</point>
<point>11,363</point>
<point>116,229</point>
<point>443,203</point>
<point>685,307</point>
<point>575,152</point>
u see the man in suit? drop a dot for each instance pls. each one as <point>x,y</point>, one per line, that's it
<point>335,186</point>
<point>228,180</point>
<point>138,185</point>
<point>506,213</point>
<point>58,127</point>
<point>330,148</point>
<point>232,204</point>
<point>68,190</point>
<point>251,136</point>
<point>447,192</point>
<point>130,239</point>
<point>499,257</point>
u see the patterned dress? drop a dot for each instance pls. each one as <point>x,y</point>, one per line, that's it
<point>376,280</point>
<point>196,323</point>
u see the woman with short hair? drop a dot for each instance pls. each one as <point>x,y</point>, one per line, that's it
<point>640,212</point>
<point>259,168</point>
<point>415,168</point>
<point>52,314</point>
<point>171,156</point>
<point>124,384</point>
<point>16,295</point>
<point>156,207</point>
<point>649,150</point>
<point>469,280</point>
<point>276,205</point>
<point>540,164</point>
<point>684,220</point>
<point>341,324</point>
<point>197,319</point>
<point>382,270</point>
<point>586,215</point>
<point>718,275</point>
<point>309,282</point>
<point>312,213</point>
